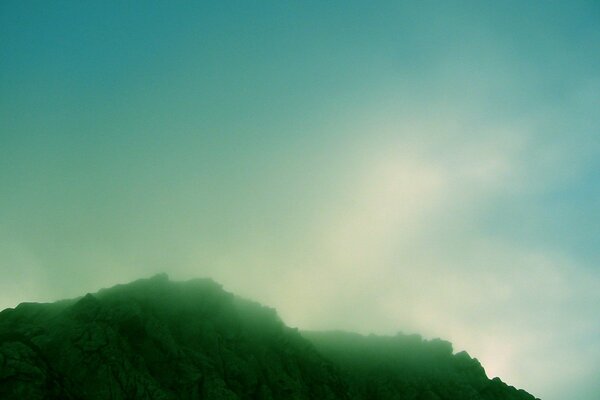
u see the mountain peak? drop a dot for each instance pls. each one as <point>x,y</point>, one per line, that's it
<point>155,338</point>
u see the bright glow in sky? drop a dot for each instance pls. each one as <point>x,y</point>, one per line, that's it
<point>423,167</point>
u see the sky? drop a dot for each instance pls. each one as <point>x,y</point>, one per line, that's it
<point>381,166</point>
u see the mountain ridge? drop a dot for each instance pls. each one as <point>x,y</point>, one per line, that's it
<point>159,339</point>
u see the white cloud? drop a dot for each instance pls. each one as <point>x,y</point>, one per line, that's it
<point>403,251</point>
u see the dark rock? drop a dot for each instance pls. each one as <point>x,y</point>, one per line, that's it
<point>157,339</point>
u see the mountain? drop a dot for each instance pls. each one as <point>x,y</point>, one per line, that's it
<point>158,339</point>
<point>408,367</point>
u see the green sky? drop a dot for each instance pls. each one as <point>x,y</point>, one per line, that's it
<point>428,167</point>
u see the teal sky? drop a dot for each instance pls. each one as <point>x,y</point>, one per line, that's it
<point>428,167</point>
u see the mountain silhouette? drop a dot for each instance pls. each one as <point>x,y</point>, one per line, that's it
<point>158,339</point>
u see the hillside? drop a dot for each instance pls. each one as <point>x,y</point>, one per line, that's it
<point>408,367</point>
<point>158,339</point>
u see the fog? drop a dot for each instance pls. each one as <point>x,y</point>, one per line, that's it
<point>393,167</point>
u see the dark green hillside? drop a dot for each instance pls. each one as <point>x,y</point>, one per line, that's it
<point>408,367</point>
<point>157,339</point>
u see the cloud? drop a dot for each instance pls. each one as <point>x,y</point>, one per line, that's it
<point>404,247</point>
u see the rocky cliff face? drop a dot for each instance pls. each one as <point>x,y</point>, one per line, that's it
<point>157,339</point>
<point>408,367</point>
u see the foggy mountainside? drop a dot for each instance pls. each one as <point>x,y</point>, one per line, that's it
<point>408,367</point>
<point>158,339</point>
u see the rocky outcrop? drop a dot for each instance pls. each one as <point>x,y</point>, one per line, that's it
<point>157,339</point>
<point>408,367</point>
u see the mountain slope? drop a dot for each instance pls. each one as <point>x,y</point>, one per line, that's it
<point>408,367</point>
<point>157,339</point>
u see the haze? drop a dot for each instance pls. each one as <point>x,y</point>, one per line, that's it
<point>367,166</point>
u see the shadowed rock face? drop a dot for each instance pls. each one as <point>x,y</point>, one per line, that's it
<point>407,367</point>
<point>156,339</point>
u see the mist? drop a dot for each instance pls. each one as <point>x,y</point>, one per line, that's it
<point>426,168</point>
